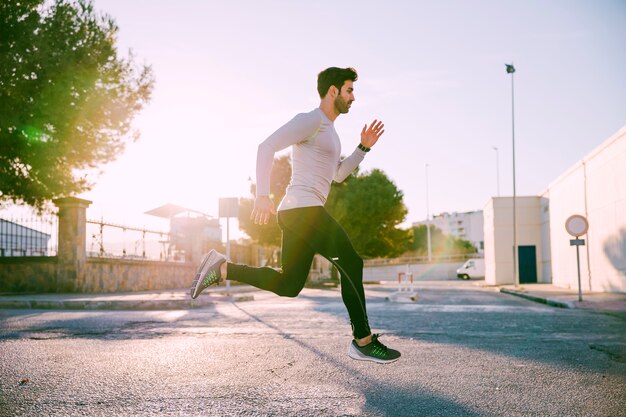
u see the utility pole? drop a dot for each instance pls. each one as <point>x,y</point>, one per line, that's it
<point>510,69</point>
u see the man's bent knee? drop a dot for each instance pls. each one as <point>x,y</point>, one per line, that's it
<point>359,262</point>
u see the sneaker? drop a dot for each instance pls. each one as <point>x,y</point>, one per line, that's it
<point>208,272</point>
<point>375,352</point>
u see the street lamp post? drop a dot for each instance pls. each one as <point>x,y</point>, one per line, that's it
<point>428,218</point>
<point>510,69</point>
<point>497,168</point>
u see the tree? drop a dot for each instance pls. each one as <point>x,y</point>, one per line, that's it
<point>440,243</point>
<point>269,234</point>
<point>66,98</point>
<point>370,207</point>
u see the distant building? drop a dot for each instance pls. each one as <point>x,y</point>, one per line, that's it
<point>192,233</point>
<point>467,226</point>
<point>18,240</point>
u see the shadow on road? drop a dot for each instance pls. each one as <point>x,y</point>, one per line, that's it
<point>100,325</point>
<point>381,397</point>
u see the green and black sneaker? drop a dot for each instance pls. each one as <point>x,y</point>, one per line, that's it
<point>208,272</point>
<point>375,352</point>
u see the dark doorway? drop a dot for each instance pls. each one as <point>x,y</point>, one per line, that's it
<point>527,264</point>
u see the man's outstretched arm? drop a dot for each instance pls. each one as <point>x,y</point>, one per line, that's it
<point>369,137</point>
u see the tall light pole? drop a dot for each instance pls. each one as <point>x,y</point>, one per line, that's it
<point>428,217</point>
<point>497,168</point>
<point>510,69</point>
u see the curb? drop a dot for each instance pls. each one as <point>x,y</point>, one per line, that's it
<point>538,299</point>
<point>122,305</point>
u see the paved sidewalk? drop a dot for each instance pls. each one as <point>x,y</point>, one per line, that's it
<point>564,298</point>
<point>142,300</point>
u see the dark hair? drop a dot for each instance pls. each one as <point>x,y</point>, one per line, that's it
<point>334,76</point>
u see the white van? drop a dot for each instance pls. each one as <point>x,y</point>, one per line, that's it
<point>474,268</point>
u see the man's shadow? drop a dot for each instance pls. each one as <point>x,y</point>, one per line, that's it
<point>615,250</point>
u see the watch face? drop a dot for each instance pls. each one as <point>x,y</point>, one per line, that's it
<point>576,225</point>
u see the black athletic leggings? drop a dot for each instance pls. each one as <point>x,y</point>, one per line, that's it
<point>307,231</point>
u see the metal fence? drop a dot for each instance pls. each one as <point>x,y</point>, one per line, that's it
<point>109,240</point>
<point>422,259</point>
<point>24,233</point>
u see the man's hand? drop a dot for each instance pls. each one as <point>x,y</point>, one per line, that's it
<point>263,208</point>
<point>370,135</point>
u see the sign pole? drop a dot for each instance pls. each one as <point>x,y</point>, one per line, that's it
<point>580,293</point>
<point>577,225</point>
<point>578,243</point>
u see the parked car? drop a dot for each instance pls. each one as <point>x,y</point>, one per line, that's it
<point>474,268</point>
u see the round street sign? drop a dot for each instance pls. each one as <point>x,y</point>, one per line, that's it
<point>576,225</point>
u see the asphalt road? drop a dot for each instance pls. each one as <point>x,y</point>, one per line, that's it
<point>466,352</point>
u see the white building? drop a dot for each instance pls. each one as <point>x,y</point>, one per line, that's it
<point>595,188</point>
<point>499,240</point>
<point>468,226</point>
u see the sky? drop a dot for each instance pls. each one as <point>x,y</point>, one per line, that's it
<point>229,73</point>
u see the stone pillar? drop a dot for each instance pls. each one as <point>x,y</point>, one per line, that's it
<point>72,243</point>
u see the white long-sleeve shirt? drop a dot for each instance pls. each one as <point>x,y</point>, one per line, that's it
<point>316,152</point>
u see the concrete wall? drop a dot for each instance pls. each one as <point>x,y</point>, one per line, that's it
<point>566,197</point>
<point>39,274</point>
<point>118,275</point>
<point>546,247</point>
<point>421,272</point>
<point>489,215</point>
<point>595,188</point>
<point>606,211</point>
<point>529,228</point>
<point>28,274</point>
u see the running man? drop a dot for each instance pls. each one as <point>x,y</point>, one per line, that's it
<point>307,228</point>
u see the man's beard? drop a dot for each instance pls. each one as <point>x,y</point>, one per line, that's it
<point>341,105</point>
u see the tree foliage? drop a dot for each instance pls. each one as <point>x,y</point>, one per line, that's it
<point>270,234</point>
<point>440,243</point>
<point>66,98</point>
<point>370,207</point>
